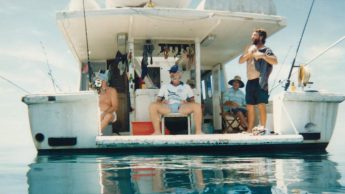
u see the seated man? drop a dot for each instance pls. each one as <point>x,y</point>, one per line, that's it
<point>234,100</point>
<point>108,101</point>
<point>175,97</point>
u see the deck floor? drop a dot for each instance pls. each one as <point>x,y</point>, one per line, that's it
<point>194,140</point>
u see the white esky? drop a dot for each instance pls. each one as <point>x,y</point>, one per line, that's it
<point>27,23</point>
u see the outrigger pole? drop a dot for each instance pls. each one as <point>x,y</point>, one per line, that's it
<point>324,51</point>
<point>299,44</point>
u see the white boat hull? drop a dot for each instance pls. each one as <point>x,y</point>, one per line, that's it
<point>71,122</point>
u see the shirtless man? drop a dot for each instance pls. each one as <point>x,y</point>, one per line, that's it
<point>108,101</point>
<point>258,56</point>
<point>175,97</point>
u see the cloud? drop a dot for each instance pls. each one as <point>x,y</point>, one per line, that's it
<point>31,69</point>
<point>35,54</point>
<point>332,55</point>
<point>9,8</point>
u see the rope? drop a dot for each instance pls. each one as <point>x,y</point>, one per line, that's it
<point>50,72</point>
<point>12,83</point>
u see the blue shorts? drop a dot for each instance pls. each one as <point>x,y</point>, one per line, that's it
<point>174,107</point>
<point>255,94</point>
<point>236,110</point>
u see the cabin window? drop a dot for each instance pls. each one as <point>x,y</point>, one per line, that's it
<point>154,75</point>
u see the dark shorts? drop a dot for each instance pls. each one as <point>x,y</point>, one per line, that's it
<point>255,94</point>
<point>236,110</point>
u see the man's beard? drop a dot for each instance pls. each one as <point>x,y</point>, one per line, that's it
<point>256,41</point>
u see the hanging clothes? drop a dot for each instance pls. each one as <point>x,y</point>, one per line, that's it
<point>147,52</point>
<point>121,62</point>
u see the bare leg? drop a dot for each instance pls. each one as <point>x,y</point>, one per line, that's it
<point>263,115</point>
<point>156,109</point>
<point>106,119</point>
<point>194,108</point>
<point>251,117</point>
<point>242,119</point>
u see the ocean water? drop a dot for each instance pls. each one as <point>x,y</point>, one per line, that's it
<point>23,171</point>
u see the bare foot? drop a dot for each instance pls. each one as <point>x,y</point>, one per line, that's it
<point>199,133</point>
<point>156,133</point>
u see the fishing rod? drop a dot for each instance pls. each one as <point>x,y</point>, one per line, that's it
<point>316,57</point>
<point>87,45</point>
<point>280,68</point>
<point>299,44</point>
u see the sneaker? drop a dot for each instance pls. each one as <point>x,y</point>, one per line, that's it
<point>260,130</point>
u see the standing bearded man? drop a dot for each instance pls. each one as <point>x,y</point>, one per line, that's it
<point>259,60</point>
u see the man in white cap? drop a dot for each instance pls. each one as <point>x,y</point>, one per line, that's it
<point>108,100</point>
<point>175,97</point>
<point>234,100</point>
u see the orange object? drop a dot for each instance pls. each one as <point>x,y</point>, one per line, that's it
<point>144,128</point>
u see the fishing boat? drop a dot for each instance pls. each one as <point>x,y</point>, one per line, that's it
<point>135,38</point>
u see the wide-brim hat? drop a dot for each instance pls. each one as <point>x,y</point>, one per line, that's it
<point>236,78</point>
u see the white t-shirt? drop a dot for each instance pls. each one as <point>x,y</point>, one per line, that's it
<point>175,94</point>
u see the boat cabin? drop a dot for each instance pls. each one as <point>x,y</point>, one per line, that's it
<point>201,41</point>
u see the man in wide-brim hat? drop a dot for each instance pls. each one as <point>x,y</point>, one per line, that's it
<point>234,100</point>
<point>236,79</point>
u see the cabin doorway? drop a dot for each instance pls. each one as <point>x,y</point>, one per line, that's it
<point>120,83</point>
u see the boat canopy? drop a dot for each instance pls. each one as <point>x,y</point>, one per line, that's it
<point>223,35</point>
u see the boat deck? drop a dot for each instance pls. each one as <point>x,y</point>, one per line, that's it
<point>208,140</point>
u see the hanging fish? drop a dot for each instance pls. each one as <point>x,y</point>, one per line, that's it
<point>121,62</point>
<point>144,64</point>
<point>122,67</point>
<point>147,52</point>
<point>148,47</point>
<point>166,52</point>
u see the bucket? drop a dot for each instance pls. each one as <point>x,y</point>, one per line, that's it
<point>144,128</point>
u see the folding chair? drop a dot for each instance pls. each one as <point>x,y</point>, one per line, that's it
<point>230,122</point>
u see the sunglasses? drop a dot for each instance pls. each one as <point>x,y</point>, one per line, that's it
<point>98,83</point>
<point>175,78</point>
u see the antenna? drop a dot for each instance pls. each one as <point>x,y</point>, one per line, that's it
<point>50,73</point>
<point>299,44</point>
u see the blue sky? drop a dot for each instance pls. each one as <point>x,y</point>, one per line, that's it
<point>27,23</point>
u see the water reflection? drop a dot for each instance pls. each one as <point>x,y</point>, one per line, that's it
<point>184,174</point>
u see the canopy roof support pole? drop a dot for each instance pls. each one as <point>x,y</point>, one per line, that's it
<point>130,57</point>
<point>131,69</point>
<point>197,69</point>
